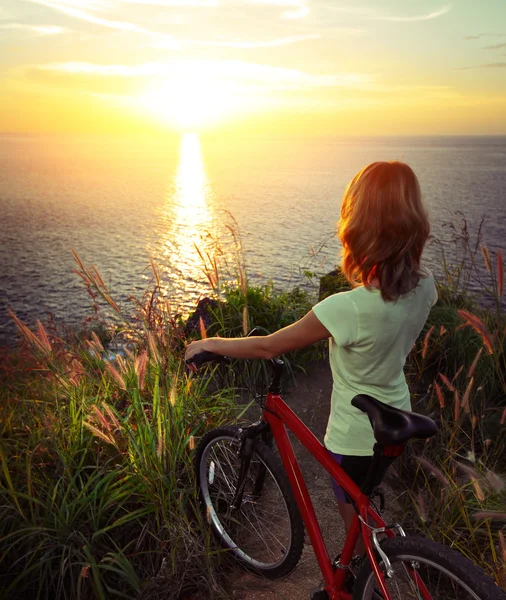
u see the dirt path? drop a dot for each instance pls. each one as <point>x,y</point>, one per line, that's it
<point>310,400</point>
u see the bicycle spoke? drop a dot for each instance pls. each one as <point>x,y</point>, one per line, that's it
<point>260,536</point>
<point>259,529</point>
<point>272,536</point>
<point>425,581</point>
<point>230,485</point>
<point>412,580</point>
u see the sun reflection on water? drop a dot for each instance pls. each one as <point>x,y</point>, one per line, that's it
<point>191,183</point>
<point>189,217</point>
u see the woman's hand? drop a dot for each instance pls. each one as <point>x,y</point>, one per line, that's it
<point>196,347</point>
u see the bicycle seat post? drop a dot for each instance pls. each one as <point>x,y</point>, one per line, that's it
<point>277,371</point>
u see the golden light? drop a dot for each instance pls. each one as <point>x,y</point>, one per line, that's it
<point>189,102</point>
<point>191,184</point>
<point>186,217</point>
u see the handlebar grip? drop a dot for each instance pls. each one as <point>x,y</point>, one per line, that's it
<point>204,357</point>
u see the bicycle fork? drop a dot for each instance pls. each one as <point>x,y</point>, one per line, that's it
<point>248,443</point>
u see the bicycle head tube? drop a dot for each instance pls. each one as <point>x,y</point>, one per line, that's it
<point>277,370</point>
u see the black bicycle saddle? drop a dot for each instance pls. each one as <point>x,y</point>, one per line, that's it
<point>392,425</point>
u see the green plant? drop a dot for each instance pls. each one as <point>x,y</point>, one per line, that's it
<point>241,306</point>
<point>97,498</point>
<point>455,490</point>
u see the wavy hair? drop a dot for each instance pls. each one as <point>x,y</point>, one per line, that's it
<point>383,228</point>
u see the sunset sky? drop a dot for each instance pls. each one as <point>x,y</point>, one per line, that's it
<point>302,67</point>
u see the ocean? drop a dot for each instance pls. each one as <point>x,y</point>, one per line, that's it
<point>271,203</point>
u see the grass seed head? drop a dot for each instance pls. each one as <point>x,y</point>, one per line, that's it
<point>500,275</point>
<point>140,368</point>
<point>456,406</point>
<point>479,326</point>
<point>426,342</point>
<point>495,481</point>
<point>202,327</point>
<point>487,515</point>
<point>447,382</point>
<point>438,474</point>
<point>119,379</point>
<point>101,418</point>
<point>474,364</point>
<point>465,397</point>
<point>486,255</point>
<point>439,394</point>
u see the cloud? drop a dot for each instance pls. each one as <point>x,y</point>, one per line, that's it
<point>231,71</point>
<point>75,10</point>
<point>480,35</point>
<point>102,13</point>
<point>496,65</point>
<point>373,14</point>
<point>161,42</point>
<point>86,9</point>
<point>295,9</point>
<point>494,47</point>
<point>433,15</point>
<point>294,39</point>
<point>175,3</point>
<point>37,29</point>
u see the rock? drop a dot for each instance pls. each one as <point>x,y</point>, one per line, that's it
<point>332,283</point>
<point>203,311</point>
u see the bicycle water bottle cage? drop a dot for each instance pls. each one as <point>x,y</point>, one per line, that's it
<point>391,425</point>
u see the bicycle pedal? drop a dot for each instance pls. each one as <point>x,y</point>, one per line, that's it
<point>318,594</point>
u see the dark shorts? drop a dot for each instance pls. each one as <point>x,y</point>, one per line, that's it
<point>356,467</point>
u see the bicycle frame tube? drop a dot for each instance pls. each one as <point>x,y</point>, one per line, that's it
<point>280,416</point>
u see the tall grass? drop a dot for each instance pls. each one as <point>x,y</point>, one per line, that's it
<point>97,498</point>
<point>97,430</point>
<point>241,306</point>
<point>97,494</point>
<point>458,487</point>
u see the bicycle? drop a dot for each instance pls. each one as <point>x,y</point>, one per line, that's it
<point>258,507</point>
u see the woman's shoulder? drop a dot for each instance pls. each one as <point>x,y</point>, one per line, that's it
<point>427,279</point>
<point>426,273</point>
<point>337,299</point>
<point>427,283</point>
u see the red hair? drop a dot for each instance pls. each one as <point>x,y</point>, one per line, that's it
<point>383,228</point>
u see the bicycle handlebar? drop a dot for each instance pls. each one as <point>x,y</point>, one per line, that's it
<point>204,357</point>
<point>199,359</point>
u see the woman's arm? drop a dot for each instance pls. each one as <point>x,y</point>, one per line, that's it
<point>305,332</point>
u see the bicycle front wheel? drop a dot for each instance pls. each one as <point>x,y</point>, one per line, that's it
<point>266,533</point>
<point>425,569</point>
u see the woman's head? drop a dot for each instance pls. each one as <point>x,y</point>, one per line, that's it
<point>383,228</point>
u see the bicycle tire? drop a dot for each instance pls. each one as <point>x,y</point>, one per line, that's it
<point>462,579</point>
<point>281,544</point>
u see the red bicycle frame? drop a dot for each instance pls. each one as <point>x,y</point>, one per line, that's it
<point>280,416</point>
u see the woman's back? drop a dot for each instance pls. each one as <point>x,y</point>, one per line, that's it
<point>370,341</point>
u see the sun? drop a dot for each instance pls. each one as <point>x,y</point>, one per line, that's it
<point>189,102</point>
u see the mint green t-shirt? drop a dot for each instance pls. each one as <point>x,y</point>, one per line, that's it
<point>370,341</point>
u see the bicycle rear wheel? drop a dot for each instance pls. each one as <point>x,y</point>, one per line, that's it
<point>266,534</point>
<point>425,569</point>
